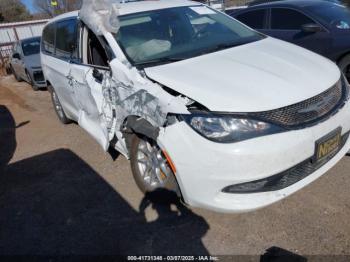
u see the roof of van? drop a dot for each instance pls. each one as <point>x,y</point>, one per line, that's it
<point>138,6</point>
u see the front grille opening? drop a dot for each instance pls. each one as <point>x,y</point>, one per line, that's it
<point>284,179</point>
<point>310,111</point>
<point>38,76</point>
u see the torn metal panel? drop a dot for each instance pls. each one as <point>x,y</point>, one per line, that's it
<point>89,105</point>
<point>100,16</point>
<point>127,93</point>
<point>134,95</point>
<point>143,127</point>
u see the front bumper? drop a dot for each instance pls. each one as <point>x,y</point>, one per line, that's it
<point>38,78</point>
<point>205,168</point>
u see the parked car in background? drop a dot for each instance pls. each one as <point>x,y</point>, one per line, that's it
<point>259,2</point>
<point>320,26</point>
<point>25,62</point>
<point>202,105</point>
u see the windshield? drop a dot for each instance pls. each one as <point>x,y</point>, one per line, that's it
<point>335,14</point>
<point>31,47</point>
<point>166,35</point>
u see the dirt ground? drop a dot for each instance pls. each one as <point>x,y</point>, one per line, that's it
<point>60,194</point>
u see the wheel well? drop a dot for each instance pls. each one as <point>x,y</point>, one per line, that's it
<point>141,126</point>
<point>137,125</point>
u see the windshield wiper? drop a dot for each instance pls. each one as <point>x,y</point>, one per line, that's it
<point>159,61</point>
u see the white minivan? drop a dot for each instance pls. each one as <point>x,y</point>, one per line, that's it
<point>230,119</point>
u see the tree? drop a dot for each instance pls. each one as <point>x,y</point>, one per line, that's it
<point>13,11</point>
<point>63,6</point>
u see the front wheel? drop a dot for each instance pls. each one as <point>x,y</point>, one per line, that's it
<point>150,167</point>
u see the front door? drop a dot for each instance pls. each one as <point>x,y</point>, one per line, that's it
<point>286,24</point>
<point>87,93</point>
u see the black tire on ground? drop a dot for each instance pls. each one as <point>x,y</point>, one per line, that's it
<point>344,66</point>
<point>15,75</point>
<point>58,108</point>
<point>171,183</point>
<point>30,81</point>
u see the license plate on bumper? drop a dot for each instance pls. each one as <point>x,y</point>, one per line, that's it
<point>328,145</point>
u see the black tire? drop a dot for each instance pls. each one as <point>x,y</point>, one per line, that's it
<point>170,182</point>
<point>344,66</point>
<point>30,81</point>
<point>58,108</point>
<point>15,75</point>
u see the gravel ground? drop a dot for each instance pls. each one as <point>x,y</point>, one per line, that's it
<point>60,194</point>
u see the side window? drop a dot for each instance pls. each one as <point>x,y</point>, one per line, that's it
<point>254,19</point>
<point>96,54</point>
<point>287,19</point>
<point>67,39</point>
<point>48,39</point>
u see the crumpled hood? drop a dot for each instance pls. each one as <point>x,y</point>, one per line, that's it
<point>259,76</point>
<point>32,61</point>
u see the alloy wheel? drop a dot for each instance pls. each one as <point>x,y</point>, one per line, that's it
<point>152,164</point>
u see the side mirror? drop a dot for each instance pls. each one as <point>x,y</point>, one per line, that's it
<point>311,28</point>
<point>97,75</point>
<point>16,56</point>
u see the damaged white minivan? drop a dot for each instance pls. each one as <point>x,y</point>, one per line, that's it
<point>230,119</point>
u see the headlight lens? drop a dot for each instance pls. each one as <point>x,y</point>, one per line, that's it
<point>229,129</point>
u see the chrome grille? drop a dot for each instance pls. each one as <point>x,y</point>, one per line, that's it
<point>308,111</point>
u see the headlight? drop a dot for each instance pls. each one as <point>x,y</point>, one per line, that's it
<point>229,129</point>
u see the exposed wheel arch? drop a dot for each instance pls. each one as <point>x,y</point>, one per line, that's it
<point>141,126</point>
<point>136,125</point>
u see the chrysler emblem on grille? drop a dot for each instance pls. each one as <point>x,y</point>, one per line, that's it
<point>317,107</point>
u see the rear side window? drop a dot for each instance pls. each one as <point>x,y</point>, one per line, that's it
<point>287,19</point>
<point>66,39</point>
<point>48,39</point>
<point>254,19</point>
